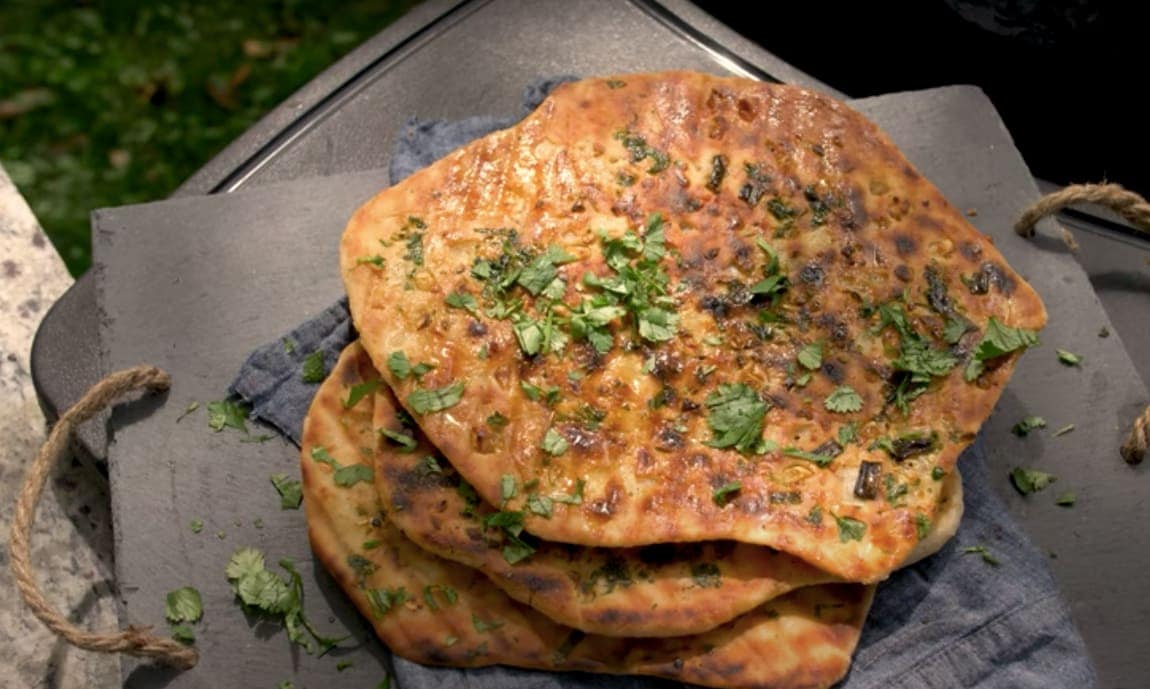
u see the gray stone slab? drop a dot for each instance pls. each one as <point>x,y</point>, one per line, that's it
<point>193,284</point>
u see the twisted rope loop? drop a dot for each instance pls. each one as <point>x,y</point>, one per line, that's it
<point>1135,209</point>
<point>137,641</point>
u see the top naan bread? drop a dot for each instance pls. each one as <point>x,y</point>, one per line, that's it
<point>708,302</point>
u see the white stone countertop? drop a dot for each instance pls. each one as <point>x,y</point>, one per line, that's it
<point>72,536</point>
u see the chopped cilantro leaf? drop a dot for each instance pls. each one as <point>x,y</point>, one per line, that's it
<point>343,665</point>
<point>507,487</point>
<point>937,473</point>
<point>184,634</point>
<point>997,341</point>
<point>383,601</point>
<point>921,525</point>
<point>197,525</point>
<point>1027,481</point>
<point>192,406</point>
<point>398,364</point>
<point>895,491</point>
<point>516,550</point>
<point>314,370</point>
<point>850,529</point>
<point>815,516</point>
<point>1066,499</point>
<point>402,438</point>
<point>575,498</point>
<point>359,391</point>
<point>811,356</point>
<point>540,505</point>
<point>1028,424</point>
<point>1069,358</point>
<point>497,420</point>
<point>290,490</point>
<point>535,393</point>
<point>428,465</point>
<point>460,300</point>
<point>657,324</point>
<point>723,494</point>
<point>819,459</point>
<point>542,270</point>
<point>981,550</point>
<point>735,417</point>
<point>426,401</point>
<point>843,399</point>
<point>349,475</point>
<point>554,443</point>
<point>375,260</point>
<point>227,414</point>
<point>448,593</point>
<point>848,433</point>
<point>484,626</point>
<point>707,575</point>
<point>184,605</point>
<point>954,330</point>
<point>414,251</point>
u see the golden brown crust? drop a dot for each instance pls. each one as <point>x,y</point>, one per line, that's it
<point>854,227</point>
<point>655,591</point>
<point>804,639</point>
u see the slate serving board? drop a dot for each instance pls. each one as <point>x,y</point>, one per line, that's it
<point>193,284</point>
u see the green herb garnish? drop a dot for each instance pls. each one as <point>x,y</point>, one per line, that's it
<point>184,605</point>
<point>359,391</point>
<point>426,401</point>
<point>843,400</point>
<point>736,414</point>
<point>981,550</point>
<point>314,369</point>
<point>1028,424</point>
<point>227,414</point>
<point>850,529</point>
<point>1027,481</point>
<point>290,490</point>
<point>1069,358</point>
<point>723,494</point>
<point>997,341</point>
<point>554,443</point>
<point>811,356</point>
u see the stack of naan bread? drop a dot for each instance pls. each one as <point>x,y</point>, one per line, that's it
<point>661,381</point>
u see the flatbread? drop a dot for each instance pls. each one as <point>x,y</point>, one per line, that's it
<point>782,255</point>
<point>654,591</point>
<point>452,615</point>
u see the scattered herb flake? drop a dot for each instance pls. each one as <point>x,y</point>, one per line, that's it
<point>290,490</point>
<point>554,443</point>
<point>343,665</point>
<point>811,356</point>
<point>497,420</point>
<point>197,525</point>
<point>1066,499</point>
<point>1069,358</point>
<point>484,626</point>
<point>819,459</point>
<point>850,529</point>
<point>349,475</point>
<point>359,391</point>
<point>1064,430</point>
<point>723,494</point>
<point>184,605</point>
<point>921,525</point>
<point>314,370</point>
<point>1027,481</point>
<point>937,473</point>
<point>192,406</point>
<point>507,487</point>
<point>848,433</point>
<point>735,417</point>
<point>461,300</point>
<point>981,550</point>
<point>383,601</point>
<point>402,438</point>
<point>706,575</point>
<point>997,341</point>
<point>184,634</point>
<point>227,414</point>
<point>843,400</point>
<point>1028,424</point>
<point>426,401</point>
<point>815,516</point>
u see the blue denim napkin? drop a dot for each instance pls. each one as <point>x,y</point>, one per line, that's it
<point>956,619</point>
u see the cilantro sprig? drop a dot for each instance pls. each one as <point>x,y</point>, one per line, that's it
<point>266,593</point>
<point>736,414</point>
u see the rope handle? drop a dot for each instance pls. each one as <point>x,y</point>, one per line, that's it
<point>135,640</point>
<point>1134,208</point>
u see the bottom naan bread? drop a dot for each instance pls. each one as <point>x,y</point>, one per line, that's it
<point>434,611</point>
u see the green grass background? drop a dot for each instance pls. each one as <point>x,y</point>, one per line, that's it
<point>116,102</point>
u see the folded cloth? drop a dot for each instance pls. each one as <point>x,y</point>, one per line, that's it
<point>984,612</point>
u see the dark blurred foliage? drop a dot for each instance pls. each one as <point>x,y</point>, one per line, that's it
<point>107,103</point>
<point>1066,75</point>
